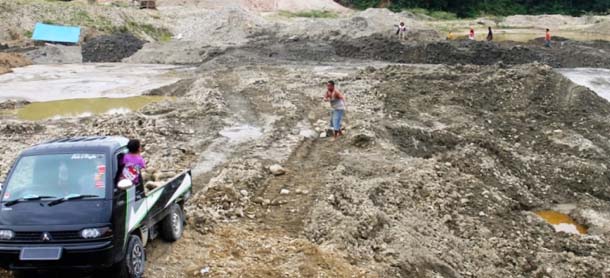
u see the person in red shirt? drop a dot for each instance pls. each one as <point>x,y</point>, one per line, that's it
<point>471,35</point>
<point>337,103</point>
<point>547,38</point>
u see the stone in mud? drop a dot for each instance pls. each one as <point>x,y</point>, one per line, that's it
<point>277,170</point>
<point>284,191</point>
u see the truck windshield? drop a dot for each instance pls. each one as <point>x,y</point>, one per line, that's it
<point>57,175</point>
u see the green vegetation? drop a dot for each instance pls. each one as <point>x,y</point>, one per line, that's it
<point>440,15</point>
<point>310,14</point>
<point>158,34</point>
<point>471,8</point>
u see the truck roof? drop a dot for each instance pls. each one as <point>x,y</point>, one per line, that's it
<point>105,144</point>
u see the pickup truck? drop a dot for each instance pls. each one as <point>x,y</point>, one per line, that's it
<point>65,206</point>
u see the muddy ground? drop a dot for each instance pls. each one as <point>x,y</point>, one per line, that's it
<point>450,148</point>
<point>462,157</point>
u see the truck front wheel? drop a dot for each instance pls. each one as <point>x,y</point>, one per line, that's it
<point>132,266</point>
<point>173,224</point>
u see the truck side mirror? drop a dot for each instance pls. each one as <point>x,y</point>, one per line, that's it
<point>124,184</point>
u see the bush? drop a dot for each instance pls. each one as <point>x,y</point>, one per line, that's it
<point>440,15</point>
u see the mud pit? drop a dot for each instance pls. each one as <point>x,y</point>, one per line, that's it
<point>462,154</point>
<point>73,81</point>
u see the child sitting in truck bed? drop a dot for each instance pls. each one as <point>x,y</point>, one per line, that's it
<point>133,162</point>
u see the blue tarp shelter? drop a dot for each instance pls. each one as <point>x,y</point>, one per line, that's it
<point>55,33</point>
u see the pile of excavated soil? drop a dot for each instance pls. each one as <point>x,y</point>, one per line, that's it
<point>462,156</point>
<point>602,27</point>
<point>360,24</point>
<point>546,21</point>
<point>562,54</point>
<point>294,5</point>
<point>55,54</point>
<point>223,26</point>
<point>12,60</point>
<point>111,48</point>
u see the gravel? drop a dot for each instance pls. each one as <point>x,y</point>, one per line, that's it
<point>111,48</point>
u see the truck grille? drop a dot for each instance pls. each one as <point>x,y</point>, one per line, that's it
<point>54,236</point>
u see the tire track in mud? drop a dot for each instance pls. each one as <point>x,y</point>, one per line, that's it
<point>303,179</point>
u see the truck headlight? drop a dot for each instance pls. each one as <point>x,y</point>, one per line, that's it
<point>6,234</point>
<point>92,233</point>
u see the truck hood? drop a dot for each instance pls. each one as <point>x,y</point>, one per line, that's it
<point>74,212</point>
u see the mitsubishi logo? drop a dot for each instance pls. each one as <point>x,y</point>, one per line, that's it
<point>46,236</point>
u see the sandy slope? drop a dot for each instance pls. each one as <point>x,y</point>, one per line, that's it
<point>261,5</point>
<point>294,5</point>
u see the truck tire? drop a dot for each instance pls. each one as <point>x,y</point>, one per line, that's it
<point>173,224</point>
<point>134,262</point>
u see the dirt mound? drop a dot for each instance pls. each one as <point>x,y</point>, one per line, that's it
<point>111,48</point>
<point>360,24</point>
<point>56,54</point>
<point>602,27</point>
<point>293,5</point>
<point>544,21</point>
<point>480,145</point>
<point>568,54</point>
<point>224,26</point>
<point>12,60</point>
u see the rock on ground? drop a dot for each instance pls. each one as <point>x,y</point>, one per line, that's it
<point>55,54</point>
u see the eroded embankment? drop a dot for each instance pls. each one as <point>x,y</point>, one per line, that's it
<point>562,54</point>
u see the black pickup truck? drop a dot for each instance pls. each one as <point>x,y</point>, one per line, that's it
<point>63,206</point>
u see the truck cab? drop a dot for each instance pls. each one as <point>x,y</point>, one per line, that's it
<point>63,205</point>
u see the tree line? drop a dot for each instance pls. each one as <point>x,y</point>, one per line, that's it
<point>471,8</point>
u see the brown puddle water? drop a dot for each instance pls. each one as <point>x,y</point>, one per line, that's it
<point>562,222</point>
<point>84,107</point>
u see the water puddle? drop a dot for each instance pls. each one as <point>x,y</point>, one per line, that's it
<point>562,222</point>
<point>222,147</point>
<point>598,80</point>
<point>41,83</point>
<point>241,133</point>
<point>84,107</point>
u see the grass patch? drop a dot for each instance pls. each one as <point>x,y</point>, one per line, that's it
<point>158,34</point>
<point>310,14</point>
<point>438,15</point>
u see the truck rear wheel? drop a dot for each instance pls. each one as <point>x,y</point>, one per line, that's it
<point>173,224</point>
<point>134,262</point>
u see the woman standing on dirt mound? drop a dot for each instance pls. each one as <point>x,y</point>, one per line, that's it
<point>337,103</point>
